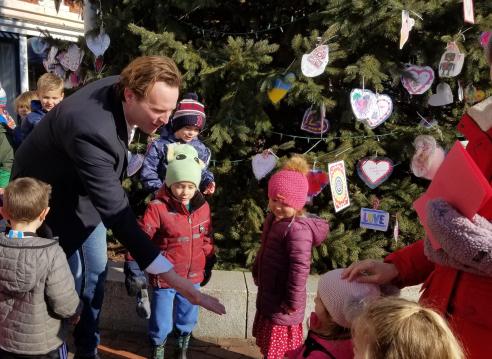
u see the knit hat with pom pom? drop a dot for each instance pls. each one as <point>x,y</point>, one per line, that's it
<point>290,184</point>
<point>189,112</point>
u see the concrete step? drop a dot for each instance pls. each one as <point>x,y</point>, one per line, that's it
<point>235,289</point>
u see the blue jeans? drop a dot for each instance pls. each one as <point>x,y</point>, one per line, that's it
<point>89,268</point>
<point>161,319</point>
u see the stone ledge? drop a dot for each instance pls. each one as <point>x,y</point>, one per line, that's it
<point>235,290</point>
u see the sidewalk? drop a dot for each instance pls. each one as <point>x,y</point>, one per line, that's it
<point>133,345</point>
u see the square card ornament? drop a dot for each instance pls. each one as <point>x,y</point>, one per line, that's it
<point>338,185</point>
<point>374,219</point>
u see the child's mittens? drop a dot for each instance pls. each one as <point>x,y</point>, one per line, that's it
<point>143,304</point>
<point>135,278</point>
<point>209,264</point>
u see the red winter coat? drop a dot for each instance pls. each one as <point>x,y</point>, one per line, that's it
<point>465,299</point>
<point>282,266</point>
<point>182,237</point>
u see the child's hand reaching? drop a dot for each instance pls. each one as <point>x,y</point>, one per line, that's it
<point>210,188</point>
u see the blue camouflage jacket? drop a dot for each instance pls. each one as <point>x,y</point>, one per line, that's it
<point>155,163</point>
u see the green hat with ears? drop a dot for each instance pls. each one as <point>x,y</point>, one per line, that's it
<point>183,165</point>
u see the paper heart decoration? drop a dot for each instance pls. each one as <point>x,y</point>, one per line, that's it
<point>417,79</point>
<point>311,122</point>
<point>50,61</point>
<point>384,106</point>
<point>71,58</point>
<point>263,164</point>
<point>442,97</point>
<point>374,171</point>
<point>427,158</point>
<point>314,63</point>
<point>317,180</point>
<point>364,104</point>
<point>135,161</point>
<point>280,87</point>
<point>485,38</point>
<point>38,45</point>
<point>451,61</point>
<point>407,24</point>
<point>99,43</point>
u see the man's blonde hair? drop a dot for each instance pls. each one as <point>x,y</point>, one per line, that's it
<point>395,328</point>
<point>25,98</point>
<point>141,74</point>
<point>25,198</point>
<point>50,82</point>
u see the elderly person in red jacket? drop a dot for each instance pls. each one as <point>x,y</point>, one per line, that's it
<point>457,279</point>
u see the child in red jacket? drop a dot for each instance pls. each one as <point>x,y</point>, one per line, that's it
<point>178,221</point>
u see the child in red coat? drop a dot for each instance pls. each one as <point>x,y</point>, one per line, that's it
<point>178,221</point>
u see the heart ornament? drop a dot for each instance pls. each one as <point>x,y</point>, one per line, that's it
<point>417,79</point>
<point>263,164</point>
<point>374,171</point>
<point>314,63</point>
<point>317,181</point>
<point>99,43</point>
<point>38,45</point>
<point>72,58</point>
<point>135,162</point>
<point>442,97</point>
<point>314,122</point>
<point>364,104</point>
<point>50,61</point>
<point>384,110</point>
<point>280,87</point>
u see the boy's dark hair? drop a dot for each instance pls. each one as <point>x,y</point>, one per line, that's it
<point>25,198</point>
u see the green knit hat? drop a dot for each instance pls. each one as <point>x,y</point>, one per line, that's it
<point>183,165</point>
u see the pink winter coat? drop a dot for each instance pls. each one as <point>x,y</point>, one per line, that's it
<point>317,347</point>
<point>282,266</point>
<point>183,237</point>
<point>463,298</point>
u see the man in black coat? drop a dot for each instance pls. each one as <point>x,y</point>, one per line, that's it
<point>80,149</point>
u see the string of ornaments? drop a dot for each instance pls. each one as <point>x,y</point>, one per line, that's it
<point>373,109</point>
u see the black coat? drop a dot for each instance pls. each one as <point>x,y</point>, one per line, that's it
<point>80,149</point>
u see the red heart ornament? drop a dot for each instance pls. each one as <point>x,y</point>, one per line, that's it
<point>317,180</point>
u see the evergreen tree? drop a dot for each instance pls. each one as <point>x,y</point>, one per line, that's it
<point>231,52</point>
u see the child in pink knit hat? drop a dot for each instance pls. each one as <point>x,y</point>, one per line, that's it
<point>337,303</point>
<point>283,262</point>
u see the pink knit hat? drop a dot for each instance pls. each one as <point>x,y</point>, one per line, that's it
<point>342,299</point>
<point>290,183</point>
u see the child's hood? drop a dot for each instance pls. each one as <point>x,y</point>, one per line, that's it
<point>318,226</point>
<point>23,262</point>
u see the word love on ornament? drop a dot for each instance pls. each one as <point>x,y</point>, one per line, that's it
<point>374,219</point>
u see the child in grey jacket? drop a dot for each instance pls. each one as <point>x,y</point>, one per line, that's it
<point>37,289</point>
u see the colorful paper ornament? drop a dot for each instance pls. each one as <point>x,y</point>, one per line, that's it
<point>484,38</point>
<point>135,162</point>
<point>374,219</point>
<point>317,180</point>
<point>442,97</point>
<point>427,158</point>
<point>417,79</point>
<point>72,58</point>
<point>315,121</point>
<point>280,87</point>
<point>472,95</point>
<point>407,24</point>
<point>50,61</point>
<point>314,63</point>
<point>468,11</point>
<point>452,61</point>
<point>374,170</point>
<point>364,103</point>
<point>263,164</point>
<point>99,43</point>
<point>384,108</point>
<point>99,64</point>
<point>338,185</point>
<point>38,45</point>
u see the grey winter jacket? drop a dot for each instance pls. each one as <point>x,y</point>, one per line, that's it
<point>36,291</point>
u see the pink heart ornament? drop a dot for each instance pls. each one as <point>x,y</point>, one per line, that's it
<point>442,97</point>
<point>364,104</point>
<point>384,110</point>
<point>374,171</point>
<point>417,79</point>
<point>311,122</point>
<point>72,58</point>
<point>263,164</point>
<point>314,63</point>
<point>99,43</point>
<point>50,61</point>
